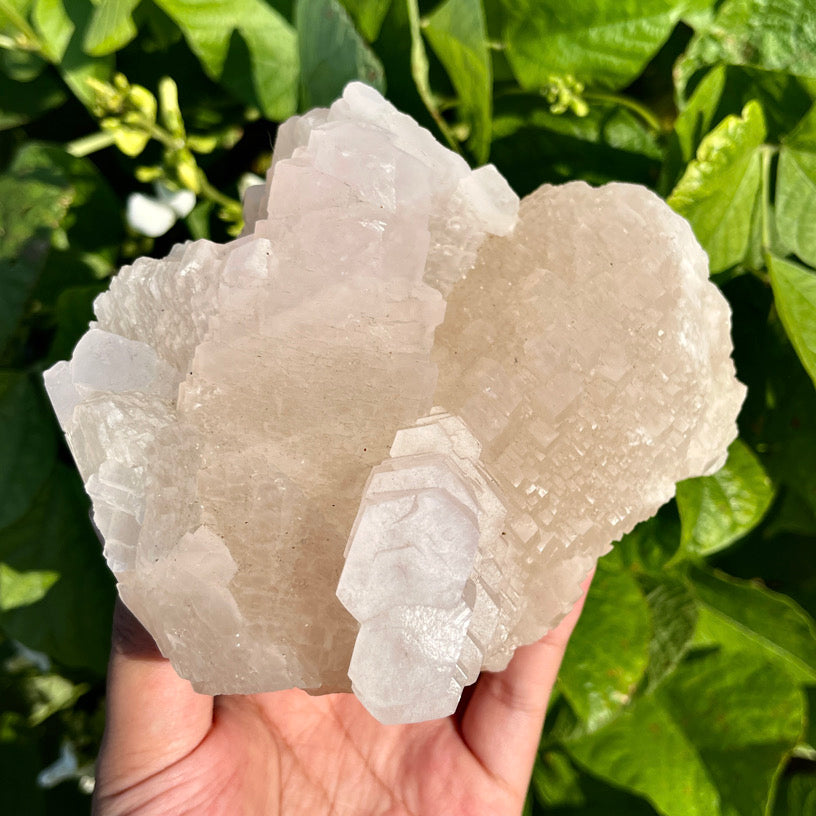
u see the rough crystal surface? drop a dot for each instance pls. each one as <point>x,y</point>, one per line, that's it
<point>246,415</point>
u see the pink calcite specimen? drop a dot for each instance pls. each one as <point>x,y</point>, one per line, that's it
<point>377,442</point>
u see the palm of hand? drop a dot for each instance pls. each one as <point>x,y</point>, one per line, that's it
<point>169,751</point>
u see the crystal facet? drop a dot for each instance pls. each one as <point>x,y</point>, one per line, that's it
<point>472,399</point>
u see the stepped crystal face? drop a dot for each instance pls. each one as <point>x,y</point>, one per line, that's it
<point>377,442</point>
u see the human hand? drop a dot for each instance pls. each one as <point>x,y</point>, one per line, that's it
<point>168,750</point>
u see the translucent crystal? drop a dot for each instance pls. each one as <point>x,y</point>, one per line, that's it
<point>245,414</point>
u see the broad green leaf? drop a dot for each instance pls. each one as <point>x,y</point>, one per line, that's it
<point>63,25</point>
<point>699,115</point>
<point>72,622</point>
<point>54,26</point>
<point>368,15</point>
<point>28,448</point>
<point>786,429</point>
<point>796,200</point>
<point>332,53</point>
<point>33,201</point>
<point>796,795</point>
<point>740,615</point>
<point>533,145</point>
<point>717,510</point>
<point>794,289</point>
<point>766,34</point>
<point>604,44</point>
<point>724,91</point>
<point>23,588</point>
<point>562,789</point>
<point>457,33</point>
<point>111,27</point>
<point>719,189</point>
<point>651,544</point>
<point>645,750</point>
<point>796,189</point>
<point>609,652</point>
<point>95,223</point>
<point>673,613</point>
<point>270,42</point>
<point>708,742</point>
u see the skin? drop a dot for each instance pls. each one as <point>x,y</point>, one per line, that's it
<point>168,750</point>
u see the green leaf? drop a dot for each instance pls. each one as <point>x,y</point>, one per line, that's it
<point>457,33</point>
<point>651,544</point>
<point>699,115</point>
<point>564,790</point>
<point>717,510</point>
<point>719,189</point>
<point>63,24</point>
<point>796,189</point>
<point>708,742</point>
<point>794,289</point>
<point>270,44</point>
<point>28,448</point>
<point>49,693</point>
<point>332,53</point>
<point>23,588</point>
<point>54,26</point>
<point>368,15</point>
<point>795,201</point>
<point>604,44</point>
<point>111,27</point>
<point>767,34</point>
<point>33,201</point>
<point>674,617</point>
<point>72,622</point>
<point>609,652</point>
<point>740,615</point>
<point>609,143</point>
<point>796,795</point>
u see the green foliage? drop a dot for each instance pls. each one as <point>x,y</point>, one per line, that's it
<point>332,53</point>
<point>688,686</point>
<point>719,190</point>
<point>717,510</point>
<point>457,33</point>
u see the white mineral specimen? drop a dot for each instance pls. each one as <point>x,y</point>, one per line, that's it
<point>241,413</point>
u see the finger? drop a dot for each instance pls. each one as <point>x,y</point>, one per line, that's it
<point>503,719</point>
<point>153,717</point>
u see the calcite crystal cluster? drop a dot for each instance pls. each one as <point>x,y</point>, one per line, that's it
<point>377,442</point>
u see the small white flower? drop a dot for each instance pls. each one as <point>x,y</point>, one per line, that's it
<point>154,216</point>
<point>181,202</point>
<point>149,216</point>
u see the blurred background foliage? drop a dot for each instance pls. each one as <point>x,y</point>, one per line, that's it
<point>129,125</point>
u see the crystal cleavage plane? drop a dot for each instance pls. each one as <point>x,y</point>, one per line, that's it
<point>377,442</point>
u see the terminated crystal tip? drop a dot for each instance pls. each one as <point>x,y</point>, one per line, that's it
<point>242,414</point>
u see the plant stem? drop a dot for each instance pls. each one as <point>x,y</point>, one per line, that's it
<point>215,195</point>
<point>767,153</point>
<point>419,70</point>
<point>86,145</point>
<point>626,102</point>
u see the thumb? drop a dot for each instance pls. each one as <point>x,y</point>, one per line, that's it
<point>153,717</point>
